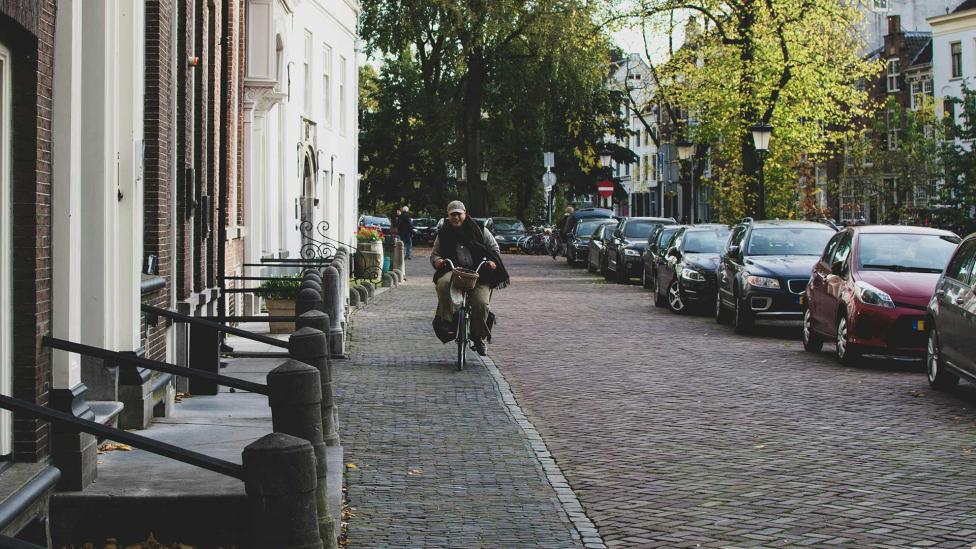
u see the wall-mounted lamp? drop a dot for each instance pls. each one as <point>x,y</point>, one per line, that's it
<point>193,61</point>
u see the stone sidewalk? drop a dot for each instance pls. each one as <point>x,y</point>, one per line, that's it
<point>436,457</point>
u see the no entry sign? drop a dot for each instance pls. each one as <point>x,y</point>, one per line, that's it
<point>605,188</point>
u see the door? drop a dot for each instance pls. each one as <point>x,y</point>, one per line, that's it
<point>956,288</point>
<point>729,265</point>
<point>669,262</point>
<point>967,322</point>
<point>829,299</point>
<point>818,282</point>
<point>6,255</point>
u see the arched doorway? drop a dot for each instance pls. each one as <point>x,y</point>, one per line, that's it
<point>307,200</point>
<point>6,254</point>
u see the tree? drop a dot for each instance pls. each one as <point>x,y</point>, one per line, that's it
<point>955,204</point>
<point>793,64</point>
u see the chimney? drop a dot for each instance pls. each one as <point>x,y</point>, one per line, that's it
<point>894,24</point>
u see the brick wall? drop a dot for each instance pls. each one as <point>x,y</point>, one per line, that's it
<point>158,162</point>
<point>184,49</point>
<point>27,30</point>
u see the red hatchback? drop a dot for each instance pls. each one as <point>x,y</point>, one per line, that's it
<point>870,289</point>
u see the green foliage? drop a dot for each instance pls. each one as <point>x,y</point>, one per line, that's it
<point>283,287</point>
<point>956,204</point>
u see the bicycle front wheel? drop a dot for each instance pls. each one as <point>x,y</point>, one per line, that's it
<point>462,337</point>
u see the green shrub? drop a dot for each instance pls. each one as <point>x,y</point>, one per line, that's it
<point>284,287</point>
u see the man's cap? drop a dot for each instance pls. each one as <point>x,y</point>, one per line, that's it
<point>456,206</point>
<point>406,209</point>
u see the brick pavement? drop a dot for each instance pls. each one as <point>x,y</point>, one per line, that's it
<point>675,432</point>
<point>439,459</point>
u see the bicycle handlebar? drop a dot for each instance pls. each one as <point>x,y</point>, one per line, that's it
<point>451,263</point>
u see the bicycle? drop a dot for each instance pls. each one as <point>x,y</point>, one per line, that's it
<point>463,280</point>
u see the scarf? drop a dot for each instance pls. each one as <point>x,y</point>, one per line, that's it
<point>473,236</point>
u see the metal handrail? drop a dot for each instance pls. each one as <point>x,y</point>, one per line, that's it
<point>214,326</point>
<point>157,447</point>
<point>156,365</point>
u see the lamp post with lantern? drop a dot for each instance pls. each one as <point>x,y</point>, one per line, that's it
<point>761,133</point>
<point>605,160</point>
<point>686,152</point>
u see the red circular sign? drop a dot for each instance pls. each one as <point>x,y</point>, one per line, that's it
<point>605,188</point>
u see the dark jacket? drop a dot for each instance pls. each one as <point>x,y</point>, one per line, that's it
<point>471,235</point>
<point>404,225</point>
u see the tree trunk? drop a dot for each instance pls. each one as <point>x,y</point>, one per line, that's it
<point>750,113</point>
<point>473,98</point>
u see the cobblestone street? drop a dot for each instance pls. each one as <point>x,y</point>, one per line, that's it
<point>675,432</point>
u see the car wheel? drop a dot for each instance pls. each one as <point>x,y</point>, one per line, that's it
<point>846,353</point>
<point>675,303</point>
<point>743,318</point>
<point>645,282</point>
<point>589,266</point>
<point>659,300</point>
<point>571,257</point>
<point>620,274</point>
<point>939,377</point>
<point>721,315</point>
<point>812,343</point>
<point>603,267</point>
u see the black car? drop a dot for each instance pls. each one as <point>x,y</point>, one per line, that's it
<point>765,268</point>
<point>375,222</point>
<point>624,251</point>
<point>951,348</point>
<point>506,230</point>
<point>686,273</point>
<point>578,247</point>
<point>596,257</point>
<point>585,213</point>
<point>424,230</point>
<point>657,244</point>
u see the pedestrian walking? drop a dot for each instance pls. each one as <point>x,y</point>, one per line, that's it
<point>405,230</point>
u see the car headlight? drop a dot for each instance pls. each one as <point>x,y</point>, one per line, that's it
<point>867,293</point>
<point>762,282</point>
<point>691,274</point>
<point>630,251</point>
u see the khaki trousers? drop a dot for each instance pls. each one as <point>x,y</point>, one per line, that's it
<point>479,298</point>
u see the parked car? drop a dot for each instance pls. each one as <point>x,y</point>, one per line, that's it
<point>657,244</point>
<point>424,230</point>
<point>764,270</point>
<point>480,221</point>
<point>506,230</point>
<point>596,257</point>
<point>585,213</point>
<point>951,346</point>
<point>578,247</point>
<point>686,271</point>
<point>627,246</point>
<point>870,288</point>
<point>375,222</point>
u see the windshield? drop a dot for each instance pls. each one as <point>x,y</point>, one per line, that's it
<point>789,241</point>
<point>370,220</point>
<point>638,230</point>
<point>586,228</point>
<point>705,242</point>
<point>926,253</point>
<point>502,224</point>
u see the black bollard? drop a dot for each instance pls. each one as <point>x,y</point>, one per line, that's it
<point>309,299</point>
<point>311,346</point>
<point>314,319</point>
<point>353,297</point>
<point>279,478</point>
<point>317,286</point>
<point>387,280</point>
<point>363,294</point>
<point>335,306</point>
<point>295,396</point>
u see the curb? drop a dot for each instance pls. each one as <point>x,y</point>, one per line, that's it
<point>568,502</point>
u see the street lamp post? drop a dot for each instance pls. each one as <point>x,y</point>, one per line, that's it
<point>686,151</point>
<point>760,140</point>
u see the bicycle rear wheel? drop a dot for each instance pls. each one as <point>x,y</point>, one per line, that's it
<point>462,337</point>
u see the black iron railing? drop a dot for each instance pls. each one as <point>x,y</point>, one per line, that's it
<point>217,326</point>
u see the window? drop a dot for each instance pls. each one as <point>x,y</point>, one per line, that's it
<point>891,121</point>
<point>326,84</point>
<point>961,265</point>
<point>894,72</point>
<point>342,95</point>
<point>308,73</point>
<point>880,5</point>
<point>955,52</point>
<point>647,170</point>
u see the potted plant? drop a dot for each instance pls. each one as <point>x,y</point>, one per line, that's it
<point>279,300</point>
<point>369,259</point>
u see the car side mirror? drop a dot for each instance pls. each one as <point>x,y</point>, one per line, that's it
<point>837,268</point>
<point>674,252</point>
<point>734,251</point>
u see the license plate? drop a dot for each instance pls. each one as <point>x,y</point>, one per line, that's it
<point>919,325</point>
<point>800,299</point>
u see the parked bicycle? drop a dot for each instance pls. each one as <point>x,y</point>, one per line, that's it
<point>462,282</point>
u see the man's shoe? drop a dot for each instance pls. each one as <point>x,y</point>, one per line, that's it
<point>480,348</point>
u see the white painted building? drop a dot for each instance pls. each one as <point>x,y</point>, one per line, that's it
<point>301,124</point>
<point>641,180</point>
<point>954,52</point>
<point>914,17</point>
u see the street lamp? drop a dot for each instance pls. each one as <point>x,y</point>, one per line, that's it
<point>686,151</point>
<point>605,159</point>
<point>761,133</point>
<point>484,174</point>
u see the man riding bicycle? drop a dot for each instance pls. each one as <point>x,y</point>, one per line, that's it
<point>465,243</point>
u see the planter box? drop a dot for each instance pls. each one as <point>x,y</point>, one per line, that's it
<point>369,259</point>
<point>281,307</point>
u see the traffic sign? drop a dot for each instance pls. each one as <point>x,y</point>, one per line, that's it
<point>548,179</point>
<point>549,159</point>
<point>605,188</point>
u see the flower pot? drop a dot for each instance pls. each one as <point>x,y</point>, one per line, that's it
<point>369,260</point>
<point>280,307</point>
